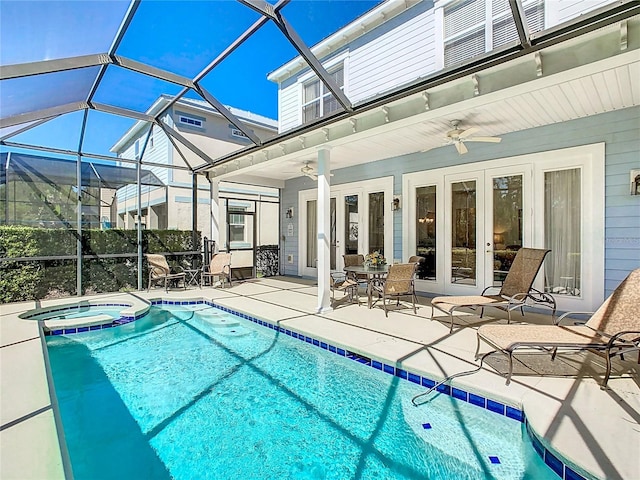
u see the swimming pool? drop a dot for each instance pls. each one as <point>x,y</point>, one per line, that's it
<point>194,392</point>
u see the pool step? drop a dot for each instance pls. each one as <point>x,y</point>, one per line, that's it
<point>221,322</point>
<point>89,321</point>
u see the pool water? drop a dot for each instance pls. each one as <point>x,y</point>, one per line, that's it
<point>192,392</point>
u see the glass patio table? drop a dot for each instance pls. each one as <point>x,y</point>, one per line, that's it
<point>372,274</point>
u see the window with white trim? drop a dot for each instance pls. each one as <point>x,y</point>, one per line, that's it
<point>317,99</point>
<point>473,27</point>
<point>237,228</point>
<point>186,120</point>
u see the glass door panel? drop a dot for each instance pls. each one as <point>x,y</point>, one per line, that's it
<point>463,233</point>
<point>562,227</point>
<point>333,233</point>
<point>507,223</point>
<point>312,234</point>
<point>376,222</point>
<point>351,224</point>
<point>426,231</point>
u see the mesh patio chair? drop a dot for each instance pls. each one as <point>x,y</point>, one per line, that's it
<point>614,329</point>
<point>220,266</point>
<point>516,292</point>
<point>355,260</point>
<point>417,260</point>
<point>159,270</point>
<point>340,283</point>
<point>399,282</point>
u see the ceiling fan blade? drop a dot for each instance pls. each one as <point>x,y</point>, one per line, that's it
<point>468,132</point>
<point>485,139</point>
<point>461,148</point>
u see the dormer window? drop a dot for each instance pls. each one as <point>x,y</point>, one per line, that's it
<point>190,121</point>
<point>318,100</point>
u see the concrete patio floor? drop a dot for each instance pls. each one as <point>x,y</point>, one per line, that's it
<point>597,430</point>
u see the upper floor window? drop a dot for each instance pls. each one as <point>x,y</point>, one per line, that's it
<point>235,132</point>
<point>317,98</point>
<point>186,120</point>
<point>473,27</point>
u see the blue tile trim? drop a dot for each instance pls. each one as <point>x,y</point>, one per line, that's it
<point>459,394</point>
<point>564,471</point>
<point>553,463</point>
<point>496,407</point>
<point>570,474</point>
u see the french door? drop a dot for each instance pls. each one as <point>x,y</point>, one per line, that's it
<point>468,222</point>
<point>360,222</point>
<point>484,226</point>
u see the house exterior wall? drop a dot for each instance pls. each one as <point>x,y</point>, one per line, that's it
<point>171,207</point>
<point>619,132</point>
<point>400,50</point>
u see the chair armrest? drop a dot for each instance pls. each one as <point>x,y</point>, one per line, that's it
<point>566,314</point>
<point>489,288</point>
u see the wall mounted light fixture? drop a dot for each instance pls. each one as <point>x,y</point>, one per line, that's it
<point>289,212</point>
<point>395,205</point>
<point>635,181</point>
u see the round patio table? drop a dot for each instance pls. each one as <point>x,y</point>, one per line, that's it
<point>371,273</point>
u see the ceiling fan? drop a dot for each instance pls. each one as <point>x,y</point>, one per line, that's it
<point>308,171</point>
<point>457,137</point>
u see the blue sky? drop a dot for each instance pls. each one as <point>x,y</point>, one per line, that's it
<point>179,36</point>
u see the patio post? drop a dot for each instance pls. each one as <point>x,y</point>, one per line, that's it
<point>324,229</point>
<point>214,195</point>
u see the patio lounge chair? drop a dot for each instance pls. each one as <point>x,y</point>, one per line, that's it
<point>220,266</point>
<point>614,329</point>
<point>399,282</point>
<point>516,292</point>
<point>340,283</point>
<point>159,270</point>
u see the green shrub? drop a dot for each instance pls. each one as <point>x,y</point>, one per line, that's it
<point>37,279</point>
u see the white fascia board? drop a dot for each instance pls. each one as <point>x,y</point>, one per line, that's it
<point>134,131</point>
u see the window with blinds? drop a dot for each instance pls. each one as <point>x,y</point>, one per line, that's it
<point>468,23</point>
<point>317,99</point>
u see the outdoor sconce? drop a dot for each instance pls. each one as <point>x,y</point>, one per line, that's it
<point>395,205</point>
<point>289,212</point>
<point>635,182</point>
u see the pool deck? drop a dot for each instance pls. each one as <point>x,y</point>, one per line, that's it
<point>594,429</point>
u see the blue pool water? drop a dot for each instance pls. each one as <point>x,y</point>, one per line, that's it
<point>195,393</point>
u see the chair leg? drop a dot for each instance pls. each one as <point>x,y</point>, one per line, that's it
<point>608,371</point>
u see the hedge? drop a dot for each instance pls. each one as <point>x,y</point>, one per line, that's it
<point>39,279</point>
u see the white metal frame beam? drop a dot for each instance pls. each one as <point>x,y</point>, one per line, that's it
<point>51,66</point>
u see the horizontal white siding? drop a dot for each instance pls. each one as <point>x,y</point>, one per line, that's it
<point>398,56</point>
<point>289,116</point>
<point>562,11</point>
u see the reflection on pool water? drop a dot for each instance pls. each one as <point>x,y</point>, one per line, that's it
<point>193,392</point>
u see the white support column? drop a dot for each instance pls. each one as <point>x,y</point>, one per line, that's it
<point>215,210</point>
<point>324,229</point>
